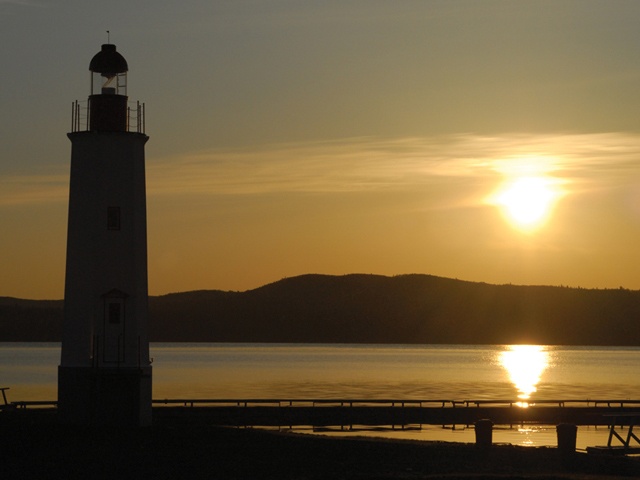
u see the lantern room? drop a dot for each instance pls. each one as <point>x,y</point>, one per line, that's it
<point>108,72</point>
<point>108,99</point>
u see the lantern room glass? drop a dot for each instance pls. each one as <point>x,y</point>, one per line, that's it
<point>108,83</point>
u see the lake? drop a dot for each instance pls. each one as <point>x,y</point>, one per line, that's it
<point>296,371</point>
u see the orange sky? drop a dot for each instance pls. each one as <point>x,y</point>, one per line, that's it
<point>331,137</point>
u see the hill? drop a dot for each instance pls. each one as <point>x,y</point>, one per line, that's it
<point>369,309</point>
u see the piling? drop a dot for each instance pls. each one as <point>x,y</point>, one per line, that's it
<point>484,433</point>
<point>567,433</point>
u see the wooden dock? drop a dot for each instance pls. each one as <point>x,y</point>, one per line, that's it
<point>393,413</point>
<point>322,415</point>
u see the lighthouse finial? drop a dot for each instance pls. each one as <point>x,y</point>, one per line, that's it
<point>108,36</point>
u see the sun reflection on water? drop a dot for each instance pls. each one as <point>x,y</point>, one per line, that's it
<point>525,365</point>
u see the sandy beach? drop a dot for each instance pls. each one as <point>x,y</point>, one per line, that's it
<point>35,446</point>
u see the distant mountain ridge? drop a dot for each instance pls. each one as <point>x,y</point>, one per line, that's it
<point>361,308</point>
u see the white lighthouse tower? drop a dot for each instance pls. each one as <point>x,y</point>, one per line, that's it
<point>105,372</point>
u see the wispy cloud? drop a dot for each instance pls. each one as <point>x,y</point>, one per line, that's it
<point>366,165</point>
<point>16,190</point>
<point>372,164</point>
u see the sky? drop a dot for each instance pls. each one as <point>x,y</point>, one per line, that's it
<point>486,140</point>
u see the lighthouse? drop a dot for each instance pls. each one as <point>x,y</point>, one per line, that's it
<point>104,377</point>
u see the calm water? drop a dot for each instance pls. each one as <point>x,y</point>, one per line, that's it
<point>364,371</point>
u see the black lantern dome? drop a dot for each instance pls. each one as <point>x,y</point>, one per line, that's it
<point>108,61</point>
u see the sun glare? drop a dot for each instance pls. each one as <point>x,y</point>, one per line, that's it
<point>527,201</point>
<point>527,196</point>
<point>525,365</point>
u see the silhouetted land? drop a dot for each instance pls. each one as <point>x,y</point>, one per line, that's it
<point>369,309</point>
<point>40,448</point>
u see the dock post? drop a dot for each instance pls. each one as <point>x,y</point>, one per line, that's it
<point>567,433</point>
<point>484,432</point>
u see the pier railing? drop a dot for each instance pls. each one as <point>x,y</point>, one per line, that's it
<point>201,402</point>
<point>405,413</point>
<point>350,413</point>
<point>190,402</point>
<point>373,403</point>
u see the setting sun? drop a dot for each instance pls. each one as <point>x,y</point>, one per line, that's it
<point>527,201</point>
<point>528,193</point>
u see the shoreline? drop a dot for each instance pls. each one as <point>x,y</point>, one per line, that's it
<point>36,446</point>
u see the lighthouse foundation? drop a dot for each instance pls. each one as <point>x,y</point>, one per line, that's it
<point>104,396</point>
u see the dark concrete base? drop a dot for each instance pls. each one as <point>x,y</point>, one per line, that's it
<point>91,396</point>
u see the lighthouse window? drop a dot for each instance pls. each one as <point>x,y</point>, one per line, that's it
<point>114,313</point>
<point>113,218</point>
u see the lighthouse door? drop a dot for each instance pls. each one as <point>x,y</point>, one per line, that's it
<point>113,328</point>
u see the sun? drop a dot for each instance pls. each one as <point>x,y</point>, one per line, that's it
<point>529,192</point>
<point>527,201</point>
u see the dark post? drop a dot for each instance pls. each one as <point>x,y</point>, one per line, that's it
<point>484,431</point>
<point>567,434</point>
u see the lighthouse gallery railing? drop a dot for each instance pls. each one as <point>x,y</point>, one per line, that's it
<point>80,115</point>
